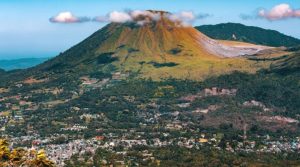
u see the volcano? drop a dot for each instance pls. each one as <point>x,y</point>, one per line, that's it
<point>164,36</point>
<point>155,45</point>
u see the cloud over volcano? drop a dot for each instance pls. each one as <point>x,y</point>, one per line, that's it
<point>142,17</point>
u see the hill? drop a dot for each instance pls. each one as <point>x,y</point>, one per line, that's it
<point>251,34</point>
<point>21,63</point>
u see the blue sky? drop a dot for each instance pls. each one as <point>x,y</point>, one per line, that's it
<point>26,31</point>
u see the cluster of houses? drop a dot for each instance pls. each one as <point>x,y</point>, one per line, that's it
<point>210,92</point>
<point>76,127</point>
<point>206,110</point>
<point>254,103</point>
<point>127,139</point>
<point>280,119</point>
<point>61,152</point>
<point>90,116</point>
<point>94,83</point>
<point>12,107</point>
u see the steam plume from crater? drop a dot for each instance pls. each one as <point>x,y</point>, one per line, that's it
<point>141,17</point>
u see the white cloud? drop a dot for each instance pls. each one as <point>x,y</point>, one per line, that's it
<point>280,12</point>
<point>140,17</point>
<point>184,18</point>
<point>139,13</point>
<point>119,17</point>
<point>67,17</point>
<point>185,15</point>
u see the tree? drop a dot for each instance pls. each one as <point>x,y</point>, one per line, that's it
<point>21,157</point>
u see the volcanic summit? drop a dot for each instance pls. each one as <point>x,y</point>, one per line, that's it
<point>157,44</point>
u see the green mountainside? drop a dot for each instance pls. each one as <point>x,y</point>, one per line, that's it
<point>251,34</point>
<point>289,65</point>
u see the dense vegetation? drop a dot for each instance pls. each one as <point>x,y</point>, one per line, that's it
<point>183,157</point>
<point>272,89</point>
<point>105,58</point>
<point>160,65</point>
<point>249,34</point>
<point>287,66</point>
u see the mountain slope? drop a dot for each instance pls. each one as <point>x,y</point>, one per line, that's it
<point>291,64</point>
<point>255,35</point>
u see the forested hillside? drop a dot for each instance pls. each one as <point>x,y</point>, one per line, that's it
<point>251,34</point>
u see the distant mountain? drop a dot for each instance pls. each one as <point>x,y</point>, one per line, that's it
<point>2,71</point>
<point>255,35</point>
<point>20,63</point>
